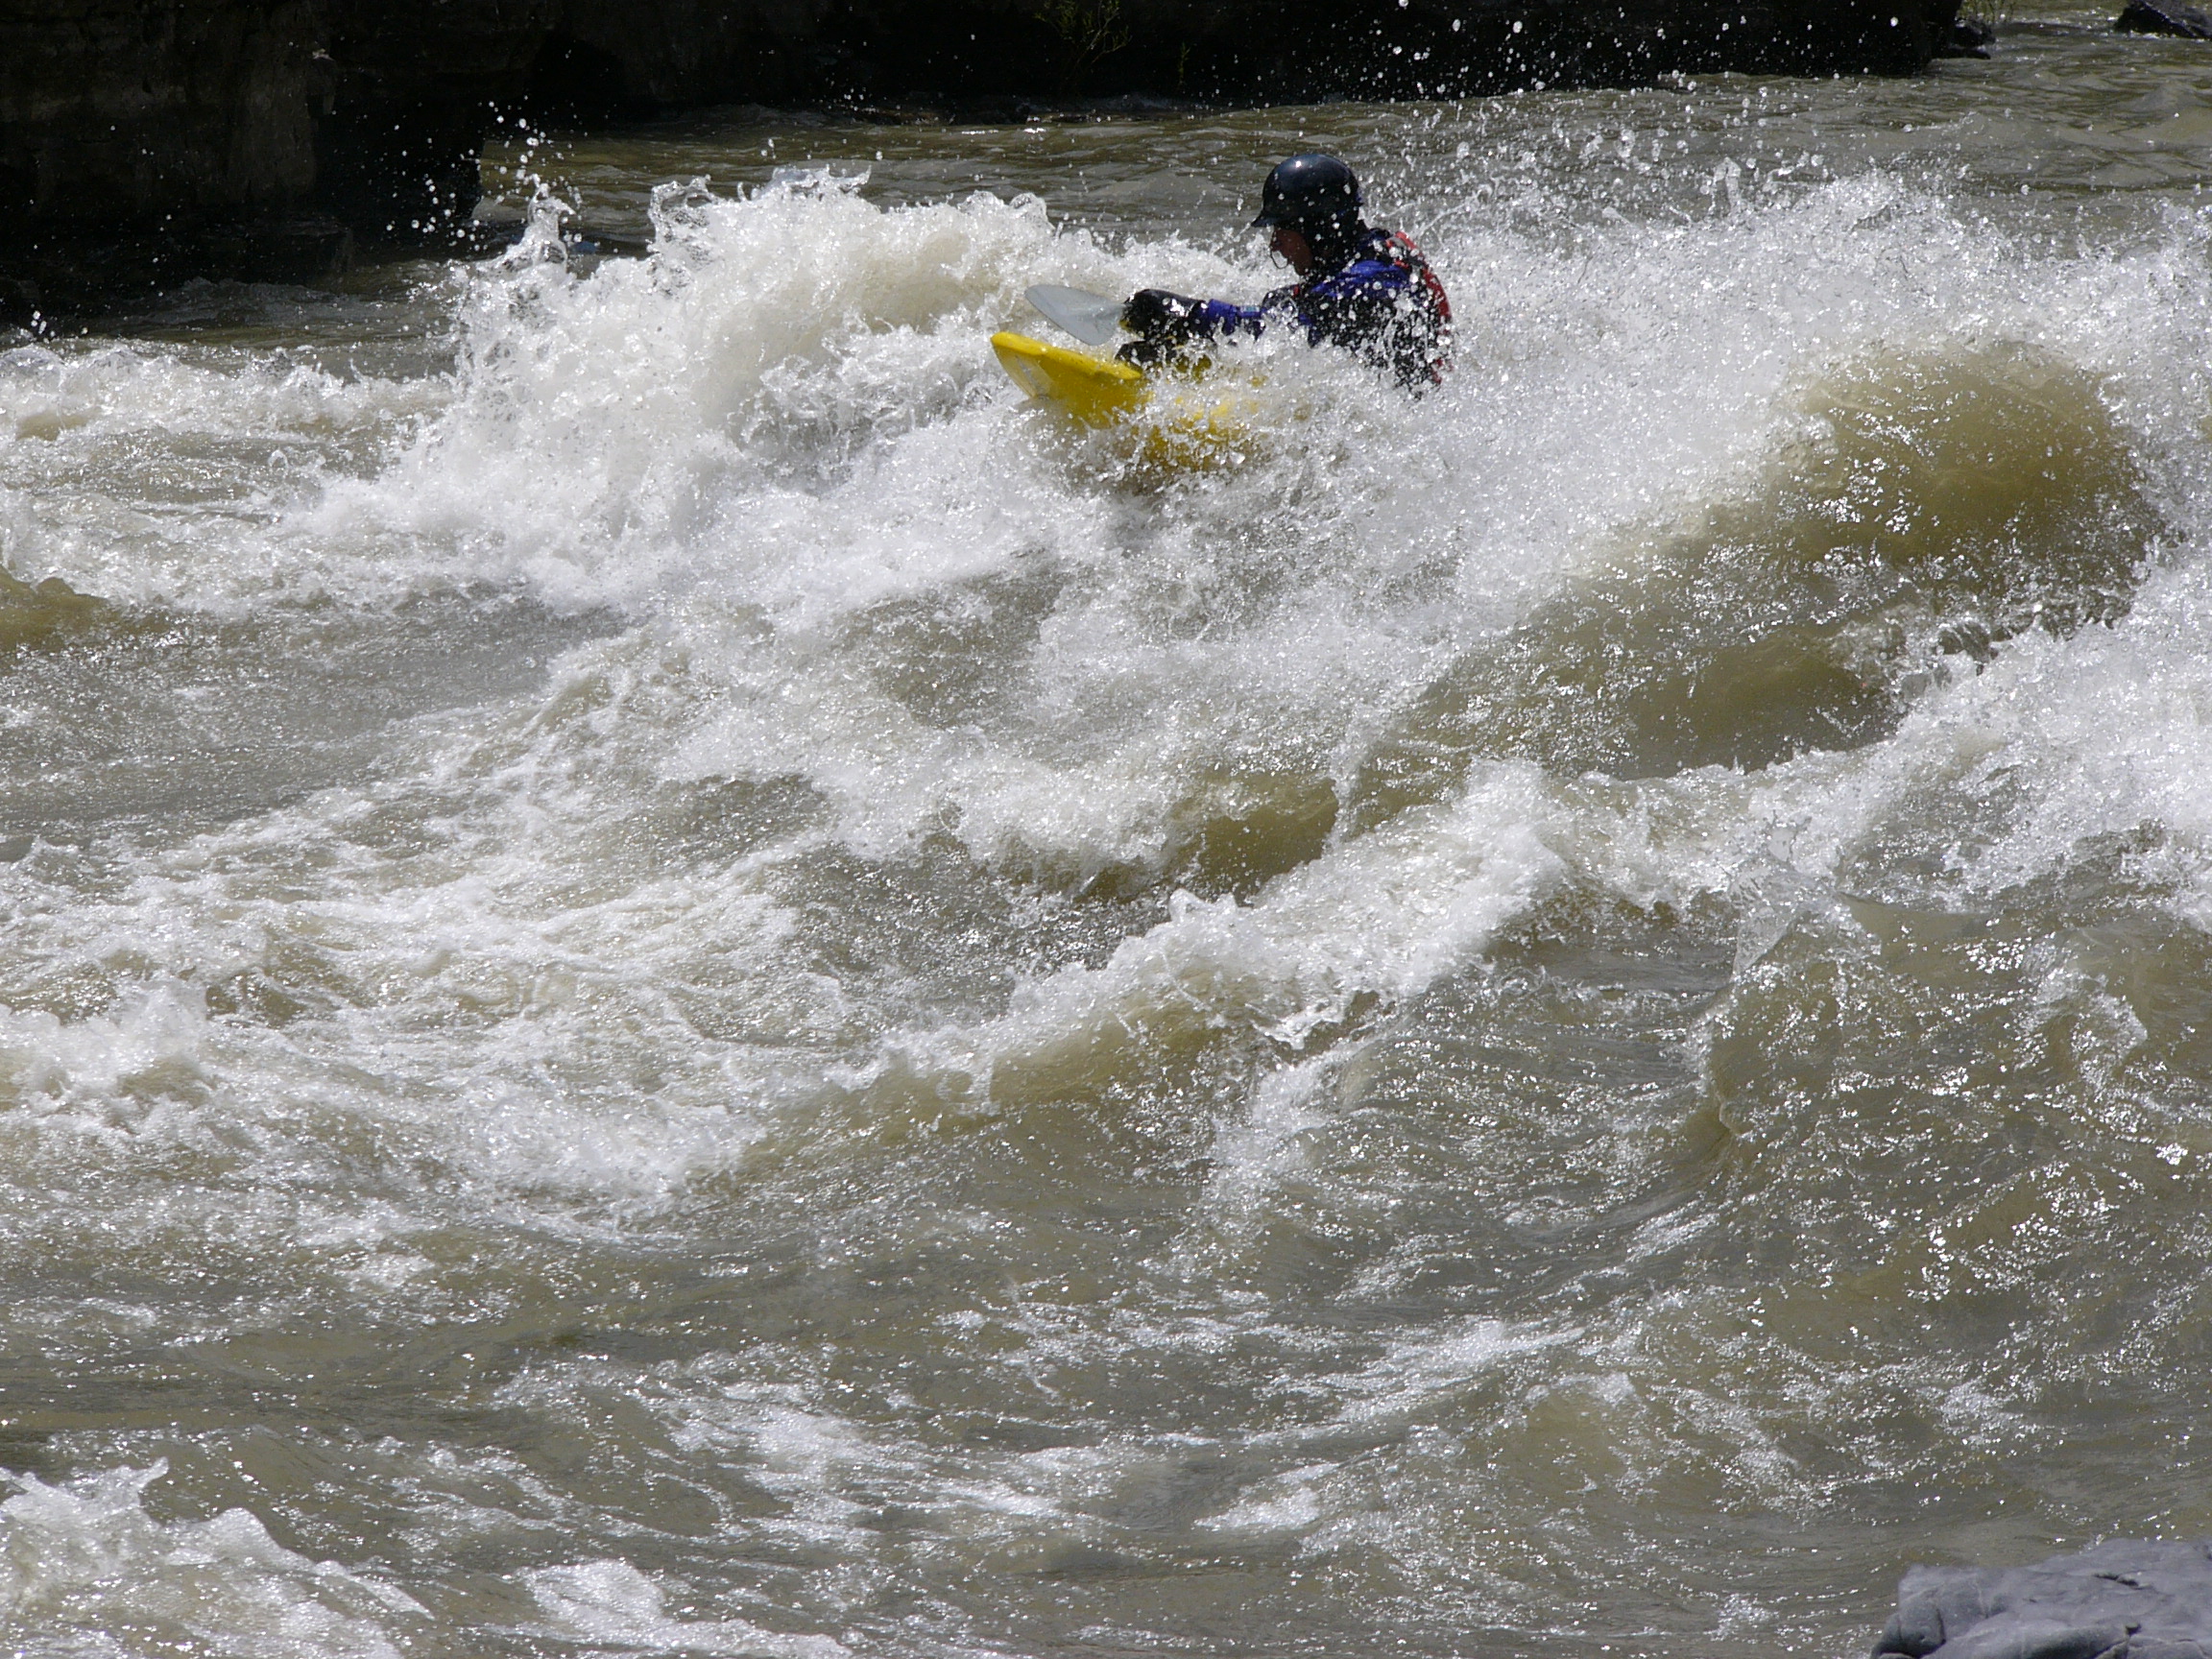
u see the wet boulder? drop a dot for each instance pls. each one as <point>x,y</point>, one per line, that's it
<point>2165,17</point>
<point>1970,37</point>
<point>2125,1600</point>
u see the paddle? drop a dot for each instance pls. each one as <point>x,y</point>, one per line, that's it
<point>1092,317</point>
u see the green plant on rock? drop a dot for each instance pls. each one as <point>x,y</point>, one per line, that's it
<point>1090,32</point>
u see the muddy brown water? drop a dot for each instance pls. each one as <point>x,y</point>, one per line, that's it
<point>677,980</point>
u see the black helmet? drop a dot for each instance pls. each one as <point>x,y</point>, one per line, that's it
<point>1307,191</point>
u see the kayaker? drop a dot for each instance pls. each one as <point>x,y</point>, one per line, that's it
<point>1368,290</point>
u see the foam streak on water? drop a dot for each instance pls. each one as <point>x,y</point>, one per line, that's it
<point>679,981</point>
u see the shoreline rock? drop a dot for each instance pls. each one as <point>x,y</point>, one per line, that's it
<point>2165,17</point>
<point>143,142</point>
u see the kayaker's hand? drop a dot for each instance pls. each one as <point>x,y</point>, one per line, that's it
<point>1155,314</point>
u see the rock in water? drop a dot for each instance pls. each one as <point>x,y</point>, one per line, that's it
<point>2165,17</point>
<point>2126,1600</point>
<point>1970,37</point>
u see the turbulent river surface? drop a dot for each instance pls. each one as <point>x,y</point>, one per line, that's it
<point>679,981</point>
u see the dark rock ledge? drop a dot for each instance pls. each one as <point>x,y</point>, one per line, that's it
<point>2165,17</point>
<point>144,141</point>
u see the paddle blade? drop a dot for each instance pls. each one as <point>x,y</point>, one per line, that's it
<point>1092,317</point>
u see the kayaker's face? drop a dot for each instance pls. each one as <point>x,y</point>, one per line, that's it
<point>1292,245</point>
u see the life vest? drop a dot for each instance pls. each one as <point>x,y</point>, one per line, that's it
<point>1383,302</point>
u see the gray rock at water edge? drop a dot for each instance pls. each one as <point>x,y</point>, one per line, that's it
<point>2165,17</point>
<point>2126,1600</point>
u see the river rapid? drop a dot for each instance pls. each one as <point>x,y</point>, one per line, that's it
<point>677,980</point>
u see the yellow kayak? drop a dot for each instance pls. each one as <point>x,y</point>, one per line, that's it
<point>1194,427</point>
<point>1098,391</point>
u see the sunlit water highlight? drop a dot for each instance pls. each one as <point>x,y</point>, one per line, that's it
<point>679,981</point>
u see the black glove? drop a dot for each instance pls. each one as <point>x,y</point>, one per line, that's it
<point>1158,317</point>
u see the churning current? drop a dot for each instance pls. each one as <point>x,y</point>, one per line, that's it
<point>679,981</point>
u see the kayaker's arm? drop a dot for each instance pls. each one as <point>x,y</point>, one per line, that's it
<point>1166,323</point>
<point>1386,305</point>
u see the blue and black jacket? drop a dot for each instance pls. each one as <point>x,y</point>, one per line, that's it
<point>1382,303</point>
